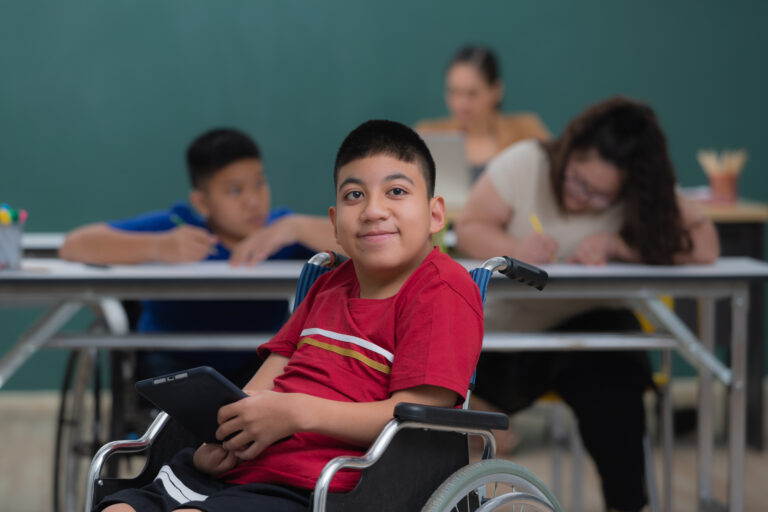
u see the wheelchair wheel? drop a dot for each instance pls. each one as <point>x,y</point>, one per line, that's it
<point>492,484</point>
<point>79,430</point>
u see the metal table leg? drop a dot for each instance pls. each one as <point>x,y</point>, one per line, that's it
<point>705,420</point>
<point>738,397</point>
<point>35,338</point>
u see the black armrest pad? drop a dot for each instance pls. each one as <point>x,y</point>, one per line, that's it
<point>451,417</point>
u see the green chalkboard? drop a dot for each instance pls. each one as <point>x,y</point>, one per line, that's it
<point>98,100</point>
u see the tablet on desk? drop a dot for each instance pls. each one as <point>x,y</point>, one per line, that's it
<point>192,397</point>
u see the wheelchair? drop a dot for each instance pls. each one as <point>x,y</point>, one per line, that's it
<point>420,460</point>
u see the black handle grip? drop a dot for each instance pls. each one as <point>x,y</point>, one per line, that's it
<point>525,273</point>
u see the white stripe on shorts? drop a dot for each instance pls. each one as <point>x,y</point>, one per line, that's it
<point>177,489</point>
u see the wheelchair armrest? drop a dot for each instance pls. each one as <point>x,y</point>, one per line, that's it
<point>447,416</point>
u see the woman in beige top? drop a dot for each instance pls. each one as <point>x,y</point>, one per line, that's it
<point>605,190</point>
<point>473,93</point>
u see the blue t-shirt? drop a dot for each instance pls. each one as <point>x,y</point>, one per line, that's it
<point>204,315</point>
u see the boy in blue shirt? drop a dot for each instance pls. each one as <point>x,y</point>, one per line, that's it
<point>230,218</point>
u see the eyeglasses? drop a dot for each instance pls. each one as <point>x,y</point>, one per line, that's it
<point>598,200</point>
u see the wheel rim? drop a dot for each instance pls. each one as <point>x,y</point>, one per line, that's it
<point>78,434</point>
<point>517,487</point>
<point>519,498</point>
<point>493,484</point>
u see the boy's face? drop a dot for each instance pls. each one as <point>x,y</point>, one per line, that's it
<point>235,200</point>
<point>383,218</point>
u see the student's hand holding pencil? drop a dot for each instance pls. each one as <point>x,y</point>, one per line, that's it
<point>184,244</point>
<point>537,247</point>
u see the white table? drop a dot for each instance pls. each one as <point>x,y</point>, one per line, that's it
<point>69,286</point>
<point>41,244</point>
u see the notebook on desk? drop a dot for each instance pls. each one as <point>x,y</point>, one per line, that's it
<point>453,177</point>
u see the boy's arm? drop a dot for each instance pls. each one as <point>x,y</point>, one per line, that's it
<point>310,231</point>
<point>267,416</point>
<point>315,232</point>
<point>100,243</point>
<point>270,369</point>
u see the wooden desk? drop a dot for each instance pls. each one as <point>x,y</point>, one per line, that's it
<point>744,211</point>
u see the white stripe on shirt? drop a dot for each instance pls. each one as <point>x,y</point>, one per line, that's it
<point>350,339</point>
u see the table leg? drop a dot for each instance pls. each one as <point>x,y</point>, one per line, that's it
<point>667,428</point>
<point>737,391</point>
<point>688,345</point>
<point>35,338</point>
<point>705,420</point>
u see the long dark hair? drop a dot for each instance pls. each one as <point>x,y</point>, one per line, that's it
<point>627,134</point>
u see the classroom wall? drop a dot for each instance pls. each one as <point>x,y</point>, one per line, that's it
<point>98,100</point>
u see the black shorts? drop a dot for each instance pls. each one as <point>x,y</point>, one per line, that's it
<point>180,485</point>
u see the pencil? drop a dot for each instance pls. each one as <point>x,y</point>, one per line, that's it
<point>180,222</point>
<point>536,223</point>
<point>537,227</point>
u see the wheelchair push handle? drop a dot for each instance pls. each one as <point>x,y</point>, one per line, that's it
<point>329,259</point>
<point>518,270</point>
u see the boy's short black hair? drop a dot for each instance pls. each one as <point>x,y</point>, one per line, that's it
<point>377,137</point>
<point>216,149</point>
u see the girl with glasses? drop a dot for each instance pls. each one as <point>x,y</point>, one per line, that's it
<point>605,190</point>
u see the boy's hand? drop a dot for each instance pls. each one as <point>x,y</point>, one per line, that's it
<point>596,249</point>
<point>260,244</point>
<point>262,418</point>
<point>183,244</point>
<point>213,459</point>
<point>537,248</point>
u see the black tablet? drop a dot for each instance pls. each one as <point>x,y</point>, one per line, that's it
<point>192,397</point>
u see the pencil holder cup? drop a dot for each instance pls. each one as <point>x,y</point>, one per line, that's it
<point>723,171</point>
<point>724,188</point>
<point>10,247</point>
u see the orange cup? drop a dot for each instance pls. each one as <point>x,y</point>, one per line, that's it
<point>724,187</point>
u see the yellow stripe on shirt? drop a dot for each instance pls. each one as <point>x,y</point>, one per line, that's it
<point>346,352</point>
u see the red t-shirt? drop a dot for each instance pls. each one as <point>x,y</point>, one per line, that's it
<point>345,348</point>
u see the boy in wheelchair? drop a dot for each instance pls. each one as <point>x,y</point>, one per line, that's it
<point>399,322</point>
